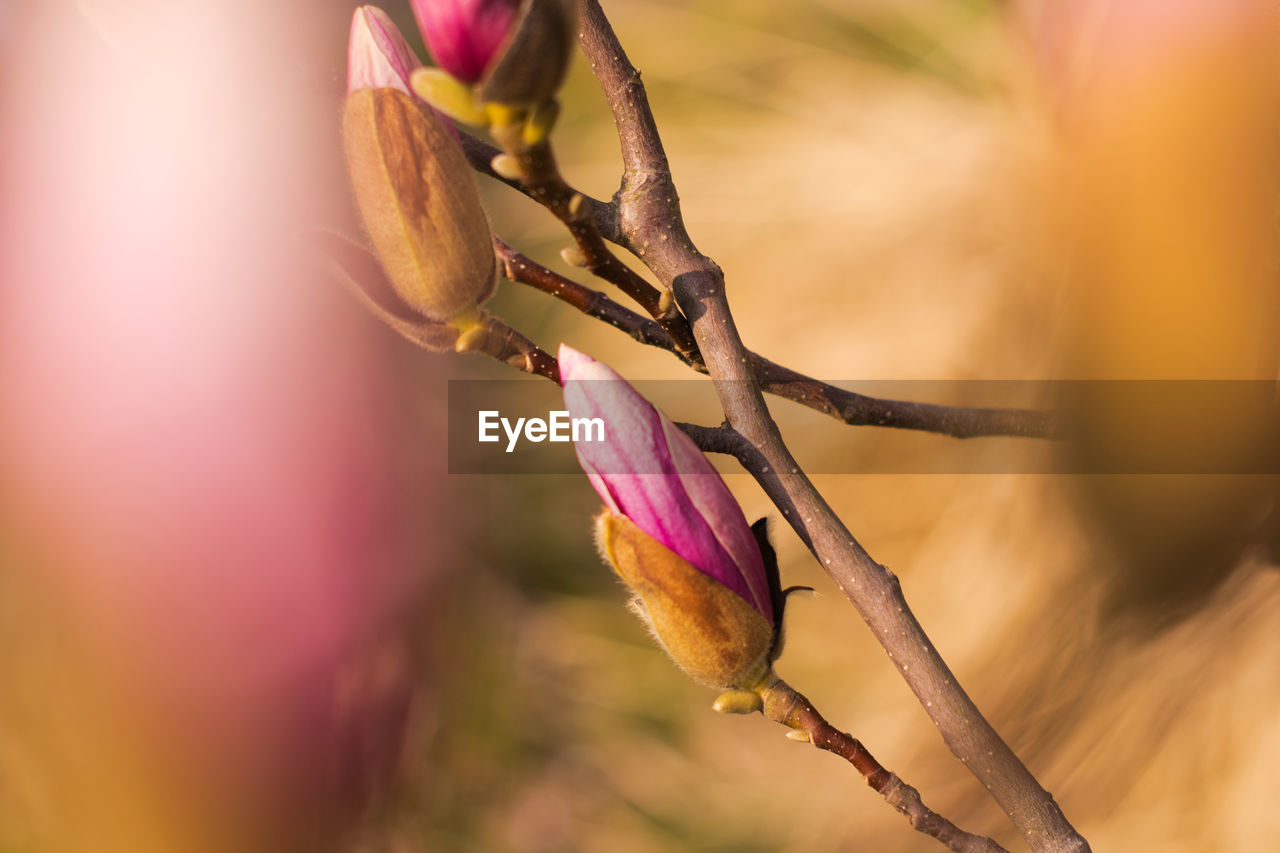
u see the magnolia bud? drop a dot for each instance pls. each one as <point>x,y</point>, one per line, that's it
<point>651,472</point>
<point>419,203</point>
<point>377,55</point>
<point>672,531</point>
<point>709,630</point>
<point>513,51</point>
<point>464,36</point>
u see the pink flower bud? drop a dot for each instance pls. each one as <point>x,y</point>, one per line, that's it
<point>378,57</point>
<point>653,474</point>
<point>465,36</point>
<point>511,52</point>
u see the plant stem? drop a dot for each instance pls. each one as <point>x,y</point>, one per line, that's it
<point>785,705</point>
<point>540,178</point>
<point>650,218</point>
<point>848,407</point>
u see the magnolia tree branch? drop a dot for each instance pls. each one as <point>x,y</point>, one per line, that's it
<point>359,270</point>
<point>785,705</point>
<point>519,268</point>
<point>846,406</point>
<point>652,226</point>
<point>860,410</point>
<point>505,344</point>
<point>539,176</point>
<point>480,155</point>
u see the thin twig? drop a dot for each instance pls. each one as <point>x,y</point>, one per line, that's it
<point>540,177</point>
<point>359,270</point>
<point>650,215</point>
<point>785,705</point>
<point>480,155</point>
<point>860,410</point>
<point>845,406</point>
<point>509,346</point>
<point>521,269</point>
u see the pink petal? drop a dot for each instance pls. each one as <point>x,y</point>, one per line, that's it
<point>464,36</point>
<point>652,473</point>
<point>713,501</point>
<point>378,57</point>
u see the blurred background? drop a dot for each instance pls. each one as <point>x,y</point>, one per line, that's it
<point>245,607</point>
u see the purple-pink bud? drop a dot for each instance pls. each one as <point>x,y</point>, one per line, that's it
<point>464,36</point>
<point>378,57</point>
<point>649,471</point>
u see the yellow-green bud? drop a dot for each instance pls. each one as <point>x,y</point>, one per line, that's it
<point>709,630</point>
<point>738,702</point>
<point>419,203</point>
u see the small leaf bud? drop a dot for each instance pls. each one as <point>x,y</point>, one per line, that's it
<point>738,702</point>
<point>449,96</point>
<point>472,339</point>
<point>507,166</point>
<point>573,256</point>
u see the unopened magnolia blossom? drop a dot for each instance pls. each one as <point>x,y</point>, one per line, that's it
<point>412,183</point>
<point>512,53</point>
<point>464,36</point>
<point>673,531</point>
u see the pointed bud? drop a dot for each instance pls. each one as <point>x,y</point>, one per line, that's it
<point>419,203</point>
<point>649,471</point>
<point>513,51</point>
<point>709,630</point>
<point>506,166</point>
<point>665,301</point>
<point>573,256</point>
<point>378,57</point>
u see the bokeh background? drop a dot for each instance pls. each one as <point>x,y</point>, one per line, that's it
<point>244,606</point>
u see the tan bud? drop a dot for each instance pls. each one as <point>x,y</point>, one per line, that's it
<point>709,630</point>
<point>507,166</point>
<point>573,256</point>
<point>419,203</point>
